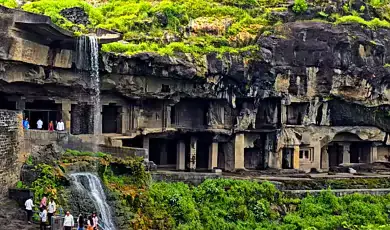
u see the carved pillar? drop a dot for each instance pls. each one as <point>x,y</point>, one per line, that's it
<point>283,112</point>
<point>193,147</point>
<point>239,146</point>
<point>213,155</point>
<point>374,153</point>
<point>296,157</point>
<point>346,153</point>
<point>180,155</point>
<point>146,146</point>
<point>65,110</point>
<point>324,158</point>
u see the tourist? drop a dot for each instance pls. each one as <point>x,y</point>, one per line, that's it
<point>51,210</point>
<point>80,222</point>
<point>26,124</point>
<point>39,124</point>
<point>68,221</point>
<point>60,126</point>
<point>51,126</point>
<point>43,202</point>
<point>95,221</point>
<point>90,223</point>
<point>29,205</point>
<point>43,216</point>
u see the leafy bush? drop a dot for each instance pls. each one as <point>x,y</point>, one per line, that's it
<point>9,3</point>
<point>76,153</point>
<point>300,6</point>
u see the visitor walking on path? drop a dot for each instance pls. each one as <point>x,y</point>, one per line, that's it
<point>43,202</point>
<point>51,126</point>
<point>90,223</point>
<point>26,124</point>
<point>80,222</point>
<point>68,221</point>
<point>60,126</point>
<point>29,206</point>
<point>51,210</point>
<point>95,221</point>
<point>39,124</point>
<point>43,216</point>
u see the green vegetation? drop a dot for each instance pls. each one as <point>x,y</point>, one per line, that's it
<point>9,3</point>
<point>76,153</point>
<point>240,204</point>
<point>300,6</point>
<point>374,23</point>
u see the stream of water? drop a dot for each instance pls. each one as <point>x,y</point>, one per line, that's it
<point>93,187</point>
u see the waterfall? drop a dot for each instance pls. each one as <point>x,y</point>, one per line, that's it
<point>87,58</point>
<point>95,80</point>
<point>94,189</point>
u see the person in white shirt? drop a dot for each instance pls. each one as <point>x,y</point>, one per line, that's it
<point>95,221</point>
<point>43,216</point>
<point>29,206</point>
<point>51,210</point>
<point>60,126</point>
<point>39,123</point>
<point>68,221</point>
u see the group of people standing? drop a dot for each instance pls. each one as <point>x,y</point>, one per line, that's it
<point>47,211</point>
<point>60,126</point>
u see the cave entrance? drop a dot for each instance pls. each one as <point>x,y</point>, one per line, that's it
<point>163,152</point>
<point>42,109</point>
<point>296,112</point>
<point>202,154</point>
<point>360,152</point>
<point>268,115</point>
<point>335,152</point>
<point>111,121</point>
<point>7,104</point>
<point>288,158</point>
<point>255,158</point>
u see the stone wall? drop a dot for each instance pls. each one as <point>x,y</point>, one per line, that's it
<point>12,154</point>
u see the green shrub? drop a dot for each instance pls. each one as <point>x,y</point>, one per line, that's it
<point>77,153</point>
<point>9,3</point>
<point>300,6</point>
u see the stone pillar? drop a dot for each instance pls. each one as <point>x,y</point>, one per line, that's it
<point>213,155</point>
<point>124,113</point>
<point>193,147</point>
<point>168,116</point>
<point>20,104</point>
<point>180,155</point>
<point>283,112</point>
<point>163,154</point>
<point>296,157</point>
<point>324,158</point>
<point>146,146</point>
<point>239,145</point>
<point>374,153</point>
<point>346,153</point>
<point>65,111</point>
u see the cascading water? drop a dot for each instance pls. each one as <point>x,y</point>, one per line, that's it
<point>94,189</point>
<point>88,59</point>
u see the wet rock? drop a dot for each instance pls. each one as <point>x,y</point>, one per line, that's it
<point>76,15</point>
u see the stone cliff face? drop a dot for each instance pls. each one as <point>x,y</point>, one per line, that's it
<point>345,65</point>
<point>308,88</point>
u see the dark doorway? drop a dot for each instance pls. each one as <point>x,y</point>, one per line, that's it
<point>335,153</point>
<point>255,157</point>
<point>6,104</point>
<point>110,119</point>
<point>221,155</point>
<point>162,151</point>
<point>202,154</point>
<point>360,152</point>
<point>288,158</point>
<point>136,142</point>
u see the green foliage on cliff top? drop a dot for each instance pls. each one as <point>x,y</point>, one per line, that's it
<point>195,26</point>
<point>9,3</point>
